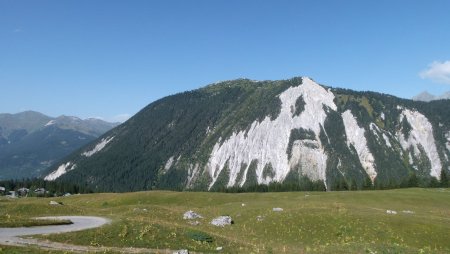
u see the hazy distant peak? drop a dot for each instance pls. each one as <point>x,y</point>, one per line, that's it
<point>89,126</point>
<point>426,96</point>
<point>31,121</point>
<point>28,120</point>
<point>30,141</point>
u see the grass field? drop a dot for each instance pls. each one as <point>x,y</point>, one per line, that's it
<point>28,250</point>
<point>12,221</point>
<point>313,222</point>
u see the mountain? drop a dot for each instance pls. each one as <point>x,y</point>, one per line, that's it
<point>288,134</point>
<point>425,96</point>
<point>30,142</point>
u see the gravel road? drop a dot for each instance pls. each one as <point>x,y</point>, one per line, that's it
<point>19,237</point>
<point>13,236</point>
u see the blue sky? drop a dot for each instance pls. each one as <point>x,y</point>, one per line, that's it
<point>110,58</point>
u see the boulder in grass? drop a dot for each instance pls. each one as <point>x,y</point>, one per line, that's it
<point>191,215</point>
<point>181,252</point>
<point>55,203</point>
<point>277,209</point>
<point>222,221</point>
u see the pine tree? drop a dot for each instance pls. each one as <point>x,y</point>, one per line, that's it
<point>444,179</point>
<point>413,181</point>
<point>368,183</point>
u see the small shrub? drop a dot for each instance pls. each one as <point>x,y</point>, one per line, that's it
<point>199,236</point>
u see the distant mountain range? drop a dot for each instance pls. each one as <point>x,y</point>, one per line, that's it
<point>425,96</point>
<point>30,142</point>
<point>290,134</point>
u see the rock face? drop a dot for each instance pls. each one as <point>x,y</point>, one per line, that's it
<point>244,134</point>
<point>266,142</point>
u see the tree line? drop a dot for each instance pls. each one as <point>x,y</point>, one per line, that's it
<point>52,188</point>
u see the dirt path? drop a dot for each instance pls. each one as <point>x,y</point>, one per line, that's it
<point>17,236</point>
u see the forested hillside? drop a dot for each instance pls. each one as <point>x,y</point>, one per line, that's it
<point>269,135</point>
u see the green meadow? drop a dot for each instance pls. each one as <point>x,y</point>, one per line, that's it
<point>311,222</point>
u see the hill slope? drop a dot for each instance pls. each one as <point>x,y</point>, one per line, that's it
<point>30,142</point>
<point>242,133</point>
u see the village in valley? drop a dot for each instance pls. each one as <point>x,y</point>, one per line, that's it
<point>23,192</point>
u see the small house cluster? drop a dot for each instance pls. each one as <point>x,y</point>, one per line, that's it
<point>24,192</point>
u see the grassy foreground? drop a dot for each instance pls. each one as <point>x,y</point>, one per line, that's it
<point>314,222</point>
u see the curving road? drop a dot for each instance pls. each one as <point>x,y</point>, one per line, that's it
<point>12,236</point>
<point>79,223</point>
<point>15,236</point>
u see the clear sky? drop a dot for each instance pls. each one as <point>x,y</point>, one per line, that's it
<point>111,58</point>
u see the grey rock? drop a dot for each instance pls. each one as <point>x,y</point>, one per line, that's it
<point>191,215</point>
<point>222,221</point>
<point>181,252</point>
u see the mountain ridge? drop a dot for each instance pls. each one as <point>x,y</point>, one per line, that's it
<point>30,141</point>
<point>244,133</point>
